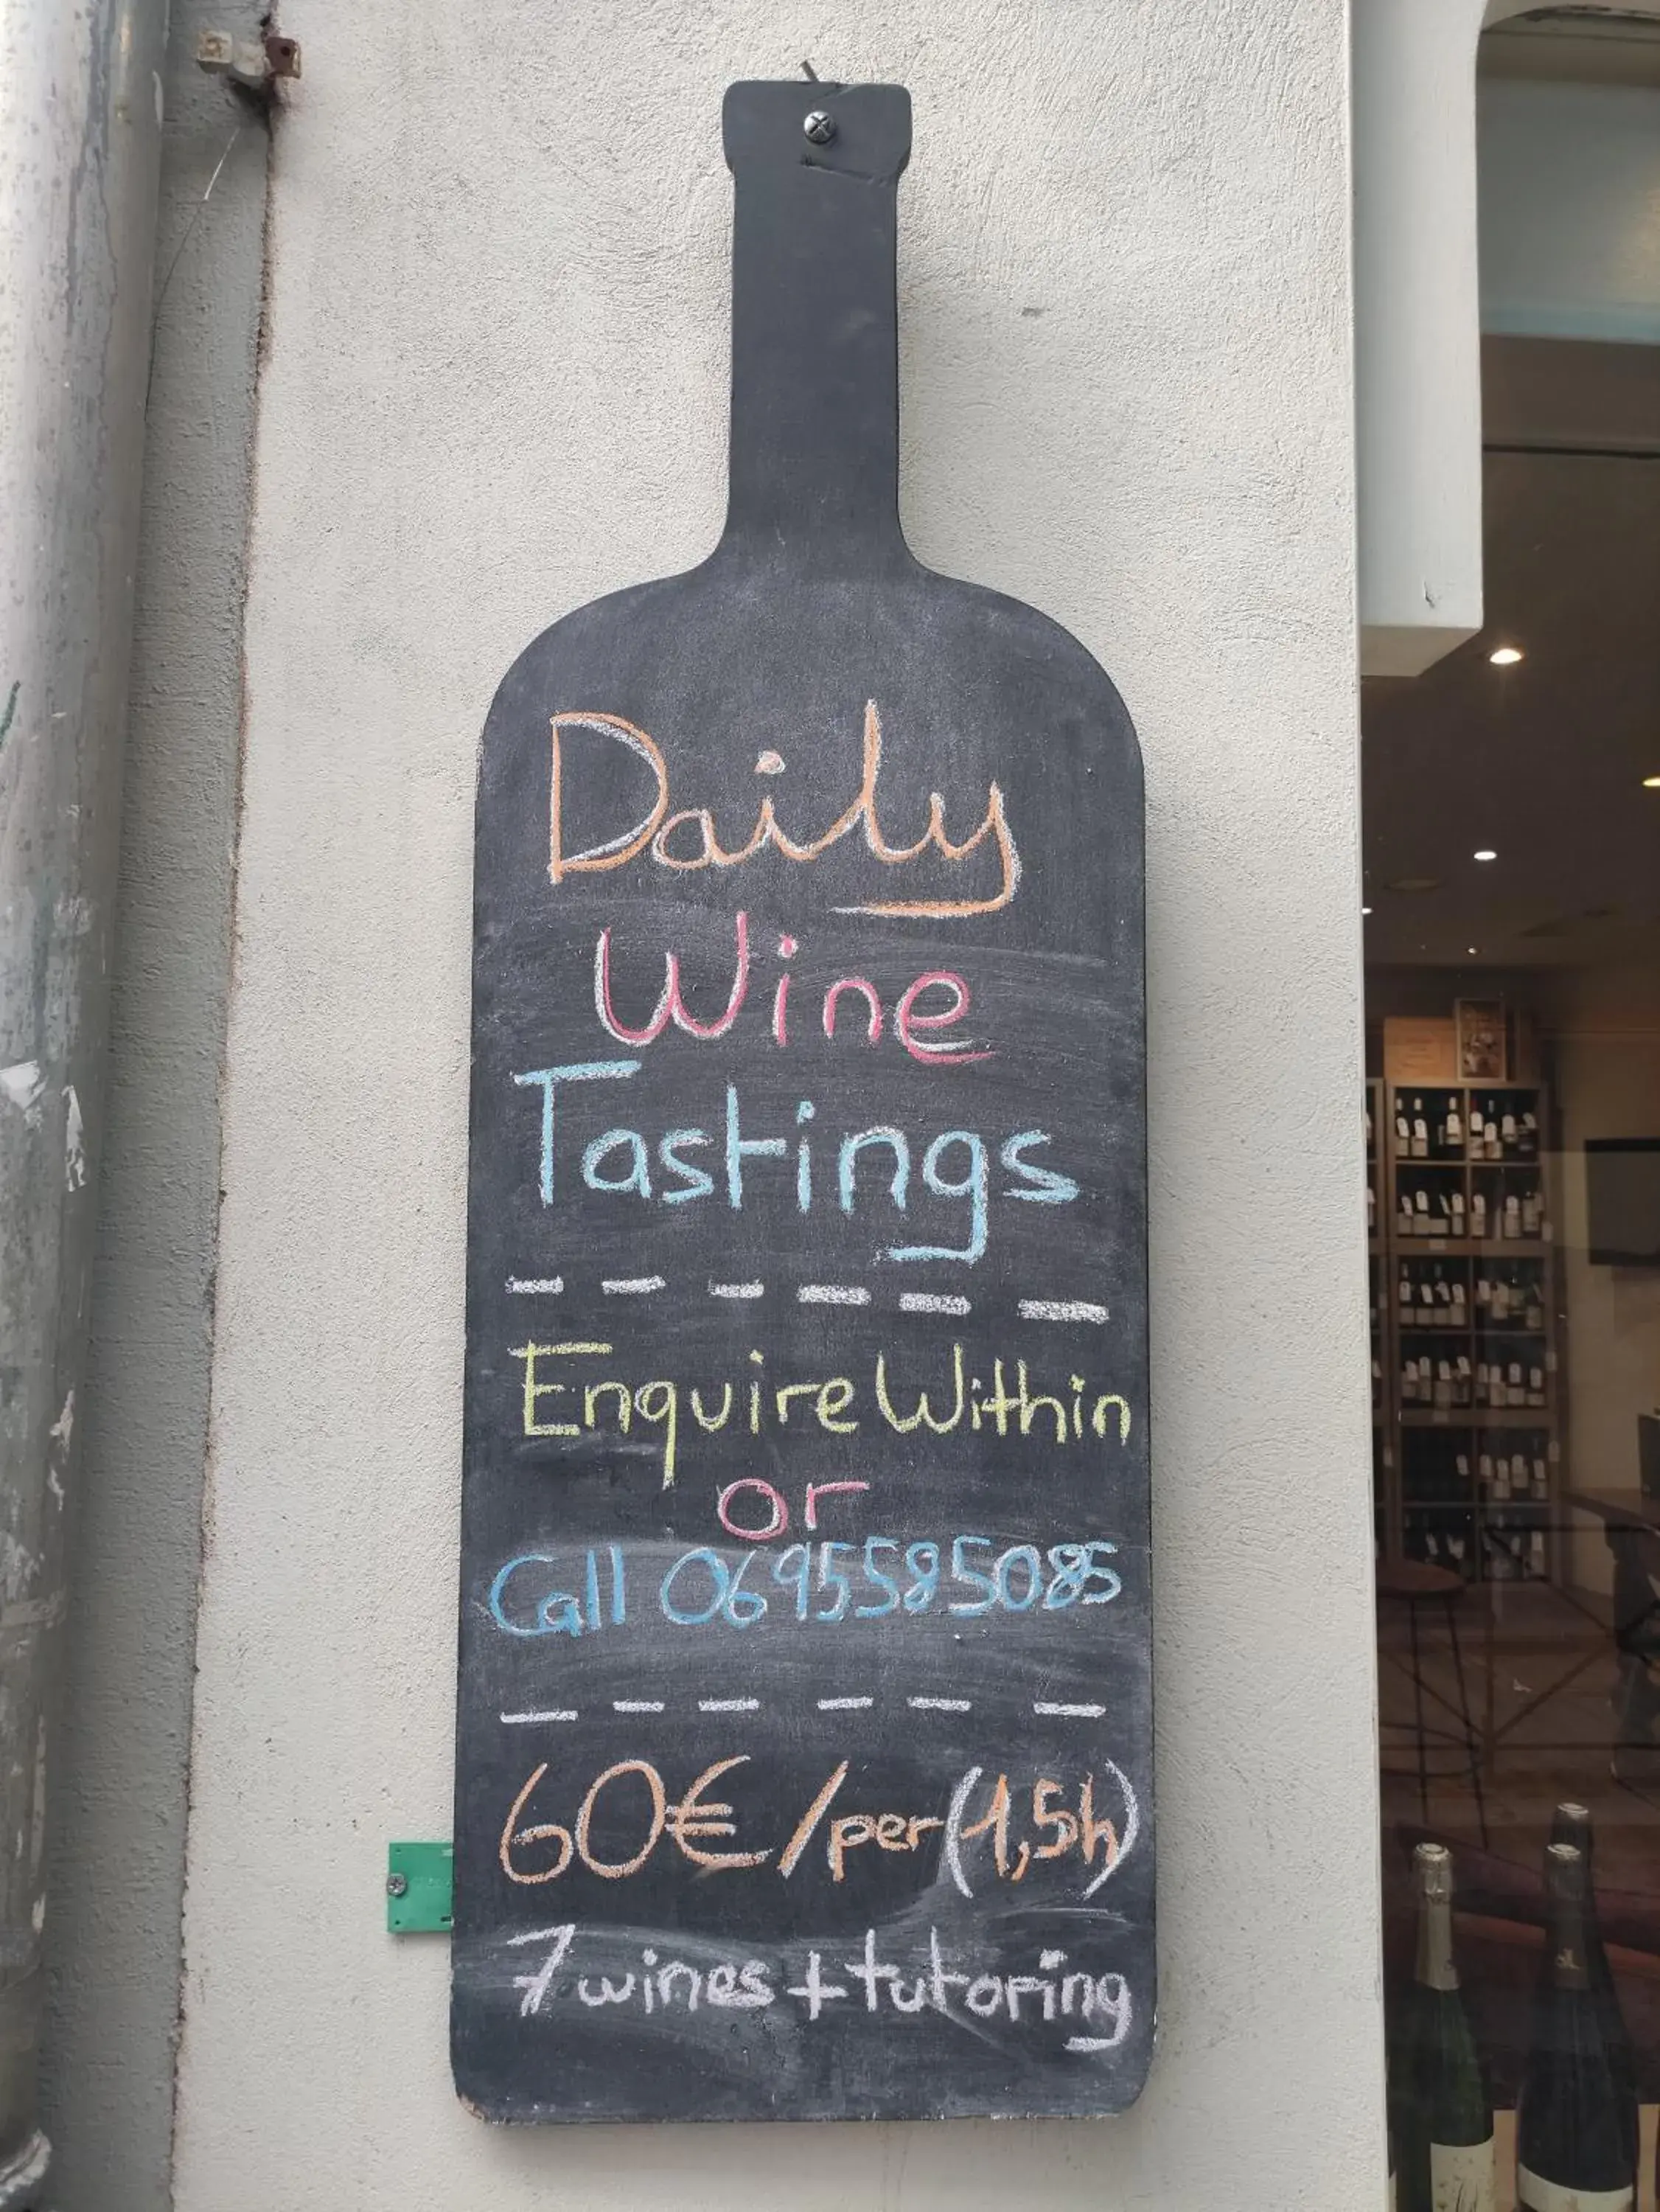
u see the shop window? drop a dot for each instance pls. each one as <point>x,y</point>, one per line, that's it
<point>1512,1102</point>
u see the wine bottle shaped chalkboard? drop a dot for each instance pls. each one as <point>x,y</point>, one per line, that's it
<point>804,1763</point>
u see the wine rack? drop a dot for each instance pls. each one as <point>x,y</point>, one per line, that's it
<point>1466,1323</point>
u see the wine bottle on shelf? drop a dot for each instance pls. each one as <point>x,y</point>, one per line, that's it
<point>1419,1130</point>
<point>1476,1143</point>
<point>1478,1213</point>
<point>1453,1133</point>
<point>1440,2108</point>
<point>1572,1825</point>
<point>1402,1126</point>
<point>1576,2119</point>
<point>1508,1132</point>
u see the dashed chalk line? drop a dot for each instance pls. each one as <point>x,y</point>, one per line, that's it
<point>1045,1708</point>
<point>950,1304</point>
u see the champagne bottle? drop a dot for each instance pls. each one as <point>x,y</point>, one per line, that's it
<point>1572,1825</point>
<point>1442,2117</point>
<point>1576,2120</point>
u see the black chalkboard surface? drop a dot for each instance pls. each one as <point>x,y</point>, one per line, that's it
<point>804,1735</point>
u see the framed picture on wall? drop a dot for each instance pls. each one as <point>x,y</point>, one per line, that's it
<point>1480,1030</point>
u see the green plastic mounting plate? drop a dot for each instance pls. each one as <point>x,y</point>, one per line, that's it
<point>419,1888</point>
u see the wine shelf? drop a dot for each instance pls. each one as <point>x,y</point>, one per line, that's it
<point>1430,1500</point>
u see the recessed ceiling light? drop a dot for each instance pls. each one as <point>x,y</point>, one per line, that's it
<point>1365,909</point>
<point>1651,783</point>
<point>1505,656</point>
<point>1487,853</point>
<point>1469,948</point>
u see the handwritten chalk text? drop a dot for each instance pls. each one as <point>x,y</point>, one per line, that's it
<point>557,1395</point>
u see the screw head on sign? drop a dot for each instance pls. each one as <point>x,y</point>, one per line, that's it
<point>820,127</point>
<point>397,1885</point>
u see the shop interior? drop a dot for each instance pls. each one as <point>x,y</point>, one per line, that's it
<point>1511,857</point>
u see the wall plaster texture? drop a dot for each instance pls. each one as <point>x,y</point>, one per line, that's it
<point>495,388</point>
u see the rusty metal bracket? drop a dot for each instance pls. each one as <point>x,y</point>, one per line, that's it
<point>255,63</point>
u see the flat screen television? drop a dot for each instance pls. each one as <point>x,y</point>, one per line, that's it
<point>1622,1201</point>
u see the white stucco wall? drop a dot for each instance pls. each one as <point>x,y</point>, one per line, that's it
<point>495,388</point>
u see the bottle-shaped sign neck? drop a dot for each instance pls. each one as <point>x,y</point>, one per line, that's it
<point>815,437</point>
<point>1432,1868</point>
<point>1566,1893</point>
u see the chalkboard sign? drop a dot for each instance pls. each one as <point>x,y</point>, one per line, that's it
<point>804,1758</point>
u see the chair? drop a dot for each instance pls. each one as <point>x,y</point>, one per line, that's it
<point>1413,1584</point>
